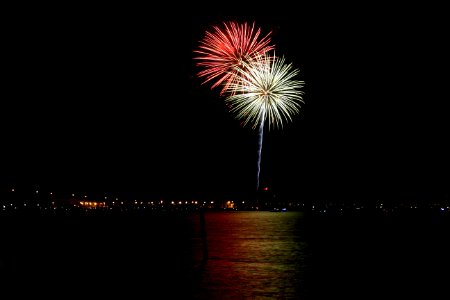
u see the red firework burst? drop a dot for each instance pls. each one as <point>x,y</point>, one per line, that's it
<point>223,49</point>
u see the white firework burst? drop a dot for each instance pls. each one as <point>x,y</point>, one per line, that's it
<point>266,89</point>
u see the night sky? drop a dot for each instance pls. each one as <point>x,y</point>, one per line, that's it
<point>105,99</point>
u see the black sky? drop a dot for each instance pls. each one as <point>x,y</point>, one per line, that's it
<point>106,99</point>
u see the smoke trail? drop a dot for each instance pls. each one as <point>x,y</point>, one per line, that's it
<point>260,141</point>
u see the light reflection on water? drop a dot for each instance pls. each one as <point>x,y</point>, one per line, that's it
<point>252,255</point>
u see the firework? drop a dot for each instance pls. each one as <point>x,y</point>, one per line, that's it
<point>266,89</point>
<point>224,49</point>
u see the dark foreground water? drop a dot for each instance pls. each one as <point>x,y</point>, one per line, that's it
<point>242,255</point>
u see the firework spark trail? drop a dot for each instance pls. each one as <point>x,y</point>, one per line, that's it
<point>222,50</point>
<point>260,141</point>
<point>265,90</point>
